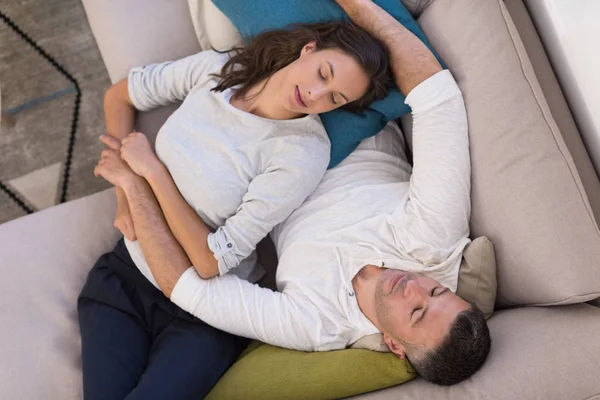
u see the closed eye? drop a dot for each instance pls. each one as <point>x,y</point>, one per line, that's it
<point>321,75</point>
<point>414,311</point>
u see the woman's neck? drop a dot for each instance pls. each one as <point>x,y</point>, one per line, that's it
<point>262,100</point>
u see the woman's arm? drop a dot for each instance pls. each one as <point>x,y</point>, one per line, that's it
<point>145,88</point>
<point>271,196</point>
<point>187,226</point>
<point>119,111</point>
<point>119,116</point>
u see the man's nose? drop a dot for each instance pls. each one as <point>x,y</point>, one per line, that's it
<point>414,291</point>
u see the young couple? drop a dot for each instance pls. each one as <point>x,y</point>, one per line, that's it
<point>370,246</point>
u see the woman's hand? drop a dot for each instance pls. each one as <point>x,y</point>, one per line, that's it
<point>137,152</point>
<point>111,167</point>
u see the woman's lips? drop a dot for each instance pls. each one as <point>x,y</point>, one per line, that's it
<point>299,97</point>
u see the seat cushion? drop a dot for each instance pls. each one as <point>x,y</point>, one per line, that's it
<point>44,260</point>
<point>549,353</point>
<point>527,196</point>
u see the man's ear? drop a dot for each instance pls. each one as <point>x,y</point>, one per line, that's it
<point>395,346</point>
<point>309,48</point>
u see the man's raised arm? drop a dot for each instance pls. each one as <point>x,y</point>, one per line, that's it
<point>411,61</point>
<point>438,207</point>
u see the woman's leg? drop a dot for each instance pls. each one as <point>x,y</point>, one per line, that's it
<point>115,337</point>
<point>114,350</point>
<point>186,360</point>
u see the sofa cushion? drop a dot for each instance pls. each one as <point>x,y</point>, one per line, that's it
<point>213,28</point>
<point>527,197</point>
<point>139,32</point>
<point>44,260</point>
<point>556,101</point>
<point>267,372</point>
<point>345,130</point>
<point>477,281</point>
<point>549,353</point>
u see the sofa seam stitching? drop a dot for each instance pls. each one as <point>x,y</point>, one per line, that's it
<point>545,117</point>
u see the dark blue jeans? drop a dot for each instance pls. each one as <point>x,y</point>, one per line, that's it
<point>136,344</point>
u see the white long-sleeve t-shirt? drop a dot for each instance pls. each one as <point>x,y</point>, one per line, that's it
<point>241,173</point>
<point>372,208</point>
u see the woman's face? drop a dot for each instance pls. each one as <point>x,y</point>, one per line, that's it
<point>321,80</point>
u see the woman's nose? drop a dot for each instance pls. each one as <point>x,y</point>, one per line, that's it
<point>317,92</point>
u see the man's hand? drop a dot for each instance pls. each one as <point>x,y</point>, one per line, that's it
<point>351,2</point>
<point>411,61</point>
<point>137,152</point>
<point>111,167</point>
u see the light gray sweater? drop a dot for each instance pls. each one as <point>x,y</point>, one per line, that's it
<point>243,174</point>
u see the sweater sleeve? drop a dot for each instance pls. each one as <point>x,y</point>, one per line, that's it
<point>272,196</point>
<point>156,85</point>
<point>437,209</point>
<point>241,308</point>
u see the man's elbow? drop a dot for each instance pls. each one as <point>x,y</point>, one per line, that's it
<point>206,272</point>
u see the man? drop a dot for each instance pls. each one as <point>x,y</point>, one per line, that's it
<point>374,249</point>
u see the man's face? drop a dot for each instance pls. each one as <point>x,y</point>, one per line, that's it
<point>414,310</point>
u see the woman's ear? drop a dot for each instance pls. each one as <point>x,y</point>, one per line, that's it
<point>308,48</point>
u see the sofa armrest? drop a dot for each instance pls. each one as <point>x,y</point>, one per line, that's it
<point>138,32</point>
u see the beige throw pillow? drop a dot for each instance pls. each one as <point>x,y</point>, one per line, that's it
<point>476,284</point>
<point>213,28</point>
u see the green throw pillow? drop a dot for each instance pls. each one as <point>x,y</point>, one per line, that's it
<point>268,372</point>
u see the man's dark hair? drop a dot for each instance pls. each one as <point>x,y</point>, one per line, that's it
<point>462,352</point>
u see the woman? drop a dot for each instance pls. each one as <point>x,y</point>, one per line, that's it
<point>245,148</point>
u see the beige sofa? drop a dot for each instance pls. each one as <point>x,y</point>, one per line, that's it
<point>548,256</point>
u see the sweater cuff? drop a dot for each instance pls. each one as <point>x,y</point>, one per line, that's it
<point>432,92</point>
<point>224,250</point>
<point>133,84</point>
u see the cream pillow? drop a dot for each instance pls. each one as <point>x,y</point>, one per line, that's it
<point>213,28</point>
<point>476,284</point>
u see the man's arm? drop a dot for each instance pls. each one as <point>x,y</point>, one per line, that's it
<point>164,254</point>
<point>437,209</point>
<point>411,61</point>
<point>226,302</point>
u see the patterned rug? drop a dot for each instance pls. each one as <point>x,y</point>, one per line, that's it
<point>52,82</point>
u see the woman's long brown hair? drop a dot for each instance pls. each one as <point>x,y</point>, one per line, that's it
<point>270,51</point>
